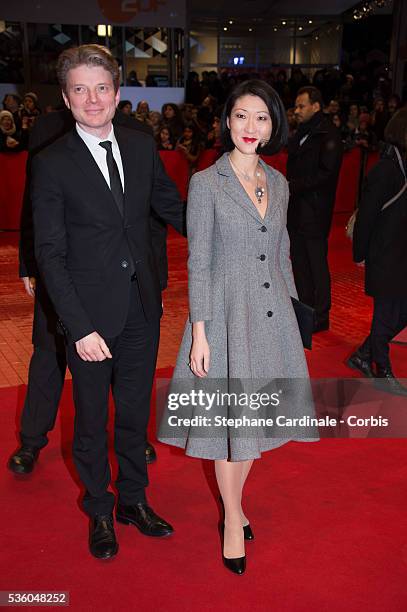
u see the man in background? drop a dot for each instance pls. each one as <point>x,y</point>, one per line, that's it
<point>314,160</point>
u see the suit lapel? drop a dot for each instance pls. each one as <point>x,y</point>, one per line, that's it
<point>86,163</point>
<point>129,164</point>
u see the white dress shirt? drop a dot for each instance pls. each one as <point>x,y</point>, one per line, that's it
<point>99,153</point>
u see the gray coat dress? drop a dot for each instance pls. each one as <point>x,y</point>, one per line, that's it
<point>240,282</point>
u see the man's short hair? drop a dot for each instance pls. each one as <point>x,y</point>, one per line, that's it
<point>313,93</point>
<point>87,55</point>
<point>275,107</point>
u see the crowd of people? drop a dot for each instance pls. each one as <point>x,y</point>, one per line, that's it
<point>16,120</point>
<point>358,108</point>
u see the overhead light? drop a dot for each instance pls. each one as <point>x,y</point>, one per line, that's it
<point>225,28</point>
<point>250,29</point>
<point>104,30</point>
<point>309,21</point>
<point>231,22</point>
<point>284,23</point>
<point>275,29</point>
<point>300,28</point>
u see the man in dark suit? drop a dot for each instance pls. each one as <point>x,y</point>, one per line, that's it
<point>48,362</point>
<point>91,193</point>
<point>314,160</point>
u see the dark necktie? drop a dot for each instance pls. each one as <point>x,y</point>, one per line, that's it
<point>115,182</point>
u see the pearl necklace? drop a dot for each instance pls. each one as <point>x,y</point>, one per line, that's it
<point>259,191</point>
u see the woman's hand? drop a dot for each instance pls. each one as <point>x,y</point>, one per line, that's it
<point>199,356</point>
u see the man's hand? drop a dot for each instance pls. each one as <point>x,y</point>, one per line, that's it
<point>93,348</point>
<point>29,285</point>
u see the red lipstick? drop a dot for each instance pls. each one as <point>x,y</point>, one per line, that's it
<point>246,139</point>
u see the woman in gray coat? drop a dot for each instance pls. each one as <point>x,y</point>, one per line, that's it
<point>242,334</point>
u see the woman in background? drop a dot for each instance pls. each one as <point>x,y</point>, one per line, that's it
<point>172,118</point>
<point>30,108</point>
<point>12,141</point>
<point>164,140</point>
<point>142,111</point>
<point>379,239</point>
<point>190,145</point>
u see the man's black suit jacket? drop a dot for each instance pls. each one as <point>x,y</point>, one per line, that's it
<point>83,246</point>
<point>312,173</point>
<point>46,130</point>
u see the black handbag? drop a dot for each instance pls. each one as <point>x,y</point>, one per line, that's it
<point>306,320</point>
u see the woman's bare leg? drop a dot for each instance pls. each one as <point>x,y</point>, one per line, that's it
<point>245,472</point>
<point>229,475</point>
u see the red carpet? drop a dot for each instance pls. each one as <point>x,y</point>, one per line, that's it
<point>329,518</point>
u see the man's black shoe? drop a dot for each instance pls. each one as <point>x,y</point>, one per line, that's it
<point>321,325</point>
<point>102,539</point>
<point>23,460</point>
<point>151,455</point>
<point>144,518</point>
<point>357,361</point>
<point>386,381</point>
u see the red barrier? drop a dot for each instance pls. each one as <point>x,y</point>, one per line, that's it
<point>278,161</point>
<point>12,182</point>
<point>12,179</point>
<point>372,160</point>
<point>347,189</point>
<point>207,158</point>
<point>177,168</point>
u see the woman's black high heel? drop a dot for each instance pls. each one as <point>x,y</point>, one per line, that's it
<point>247,530</point>
<point>236,565</point>
<point>248,533</point>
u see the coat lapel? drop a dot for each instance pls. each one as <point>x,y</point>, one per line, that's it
<point>233,188</point>
<point>274,197</point>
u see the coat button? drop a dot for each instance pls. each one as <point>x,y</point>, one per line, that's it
<point>266,285</point>
<point>269,314</point>
<point>263,228</point>
<point>125,264</point>
<point>262,257</point>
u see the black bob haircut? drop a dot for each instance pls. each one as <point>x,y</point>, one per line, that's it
<point>270,97</point>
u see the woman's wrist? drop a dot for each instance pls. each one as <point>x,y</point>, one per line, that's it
<point>198,330</point>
